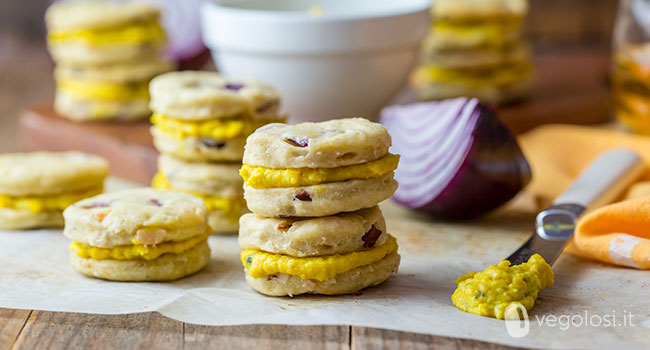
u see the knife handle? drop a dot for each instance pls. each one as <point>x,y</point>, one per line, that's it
<point>604,179</point>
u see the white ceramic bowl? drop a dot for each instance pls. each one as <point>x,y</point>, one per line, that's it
<point>349,60</point>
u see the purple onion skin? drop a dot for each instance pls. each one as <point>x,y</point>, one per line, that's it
<point>493,172</point>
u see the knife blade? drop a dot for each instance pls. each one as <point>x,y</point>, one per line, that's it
<point>601,182</point>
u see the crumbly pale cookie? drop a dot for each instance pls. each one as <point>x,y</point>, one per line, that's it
<point>320,200</point>
<point>147,215</point>
<point>327,144</point>
<point>337,234</point>
<point>348,282</point>
<point>83,109</point>
<point>120,72</point>
<point>513,54</point>
<point>50,173</point>
<point>71,15</point>
<point>214,179</point>
<point>489,94</point>
<point>99,32</point>
<point>165,268</point>
<point>468,10</point>
<point>199,149</point>
<point>83,54</point>
<point>199,95</point>
<point>12,219</point>
<point>138,235</point>
<point>36,187</point>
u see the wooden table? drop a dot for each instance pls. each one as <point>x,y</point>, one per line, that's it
<point>25,73</point>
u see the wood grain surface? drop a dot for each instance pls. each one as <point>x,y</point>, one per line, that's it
<point>24,329</point>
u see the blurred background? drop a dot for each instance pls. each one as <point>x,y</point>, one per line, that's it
<point>582,28</point>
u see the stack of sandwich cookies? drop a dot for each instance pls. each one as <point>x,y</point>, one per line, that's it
<point>218,184</point>
<point>106,53</point>
<point>318,169</point>
<point>138,235</point>
<point>201,121</point>
<point>202,116</point>
<point>36,187</point>
<point>313,189</point>
<point>475,48</point>
<point>336,254</point>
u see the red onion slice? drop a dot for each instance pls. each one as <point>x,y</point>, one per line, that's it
<point>457,159</point>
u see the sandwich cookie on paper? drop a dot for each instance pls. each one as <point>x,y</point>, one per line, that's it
<point>202,115</point>
<point>218,184</point>
<point>36,187</point>
<point>318,169</point>
<point>138,235</point>
<point>336,254</point>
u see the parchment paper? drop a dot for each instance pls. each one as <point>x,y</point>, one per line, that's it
<point>36,274</point>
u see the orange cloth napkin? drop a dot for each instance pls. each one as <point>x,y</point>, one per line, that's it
<point>618,233</point>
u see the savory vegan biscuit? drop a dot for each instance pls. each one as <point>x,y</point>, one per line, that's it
<point>109,91</point>
<point>475,48</point>
<point>318,169</point>
<point>36,187</point>
<point>202,95</point>
<point>138,235</point>
<point>202,115</point>
<point>490,84</point>
<point>489,56</point>
<point>472,11</point>
<point>219,185</point>
<point>95,32</point>
<point>300,237</point>
<point>336,254</point>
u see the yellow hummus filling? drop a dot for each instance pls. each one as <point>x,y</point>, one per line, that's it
<point>490,292</point>
<point>495,76</point>
<point>39,204</point>
<point>232,207</point>
<point>220,129</point>
<point>135,251</point>
<point>91,89</point>
<point>321,268</point>
<point>261,177</point>
<point>132,33</point>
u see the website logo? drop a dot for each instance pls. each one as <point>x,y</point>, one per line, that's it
<point>516,319</point>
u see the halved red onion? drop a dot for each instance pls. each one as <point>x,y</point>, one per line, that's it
<point>458,160</point>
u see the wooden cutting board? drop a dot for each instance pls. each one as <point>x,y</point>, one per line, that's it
<point>570,87</point>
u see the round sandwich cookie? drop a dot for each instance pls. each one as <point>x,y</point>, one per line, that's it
<point>101,92</point>
<point>300,237</point>
<point>337,262</point>
<point>94,32</point>
<point>204,116</point>
<point>218,184</point>
<point>74,107</point>
<point>193,148</point>
<point>488,56</point>
<point>36,187</point>
<point>489,84</point>
<point>202,95</point>
<point>318,169</point>
<point>472,11</point>
<point>118,72</point>
<point>138,235</point>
